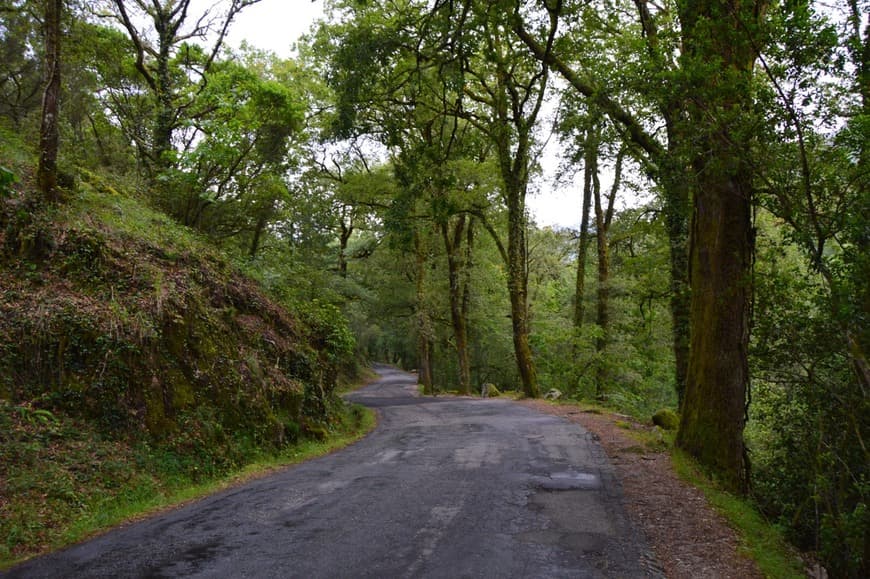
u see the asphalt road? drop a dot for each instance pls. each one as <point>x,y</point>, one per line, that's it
<point>445,487</point>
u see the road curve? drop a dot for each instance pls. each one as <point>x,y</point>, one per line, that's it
<point>444,487</point>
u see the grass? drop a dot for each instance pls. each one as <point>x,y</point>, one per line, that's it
<point>62,482</point>
<point>761,541</point>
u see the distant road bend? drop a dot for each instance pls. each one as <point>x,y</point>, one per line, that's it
<point>445,487</point>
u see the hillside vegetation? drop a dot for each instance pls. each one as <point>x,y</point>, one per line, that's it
<point>133,356</point>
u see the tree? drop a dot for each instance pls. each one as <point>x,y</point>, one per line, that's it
<point>20,82</point>
<point>720,43</point>
<point>505,89</point>
<point>603,219</point>
<point>159,55</point>
<point>231,181</point>
<point>49,131</point>
<point>578,59</point>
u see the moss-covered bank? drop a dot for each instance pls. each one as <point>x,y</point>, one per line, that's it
<point>134,346</point>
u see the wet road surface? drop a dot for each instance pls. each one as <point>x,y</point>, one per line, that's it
<point>445,487</point>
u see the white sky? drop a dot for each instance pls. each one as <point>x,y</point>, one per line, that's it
<point>276,24</point>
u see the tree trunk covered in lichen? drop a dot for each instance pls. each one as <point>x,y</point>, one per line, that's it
<point>719,52</point>
<point>518,281</point>
<point>514,163</point>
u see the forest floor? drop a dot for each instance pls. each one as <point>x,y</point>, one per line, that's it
<point>689,538</point>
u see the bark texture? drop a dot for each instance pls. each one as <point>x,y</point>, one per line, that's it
<point>49,134</point>
<point>459,295</point>
<point>717,62</point>
<point>589,159</point>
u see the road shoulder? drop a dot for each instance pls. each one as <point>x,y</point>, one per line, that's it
<point>687,536</point>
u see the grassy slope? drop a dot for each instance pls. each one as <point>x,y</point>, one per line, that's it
<point>63,481</point>
<point>138,368</point>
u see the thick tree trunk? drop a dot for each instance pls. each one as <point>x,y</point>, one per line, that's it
<point>718,56</point>
<point>713,412</point>
<point>676,212</point>
<point>49,130</point>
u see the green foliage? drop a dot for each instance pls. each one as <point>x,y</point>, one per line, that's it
<point>808,418</point>
<point>7,178</point>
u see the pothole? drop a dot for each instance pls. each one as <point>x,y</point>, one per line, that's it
<point>569,480</point>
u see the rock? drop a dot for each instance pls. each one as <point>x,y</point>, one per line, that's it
<point>489,389</point>
<point>666,419</point>
<point>553,394</point>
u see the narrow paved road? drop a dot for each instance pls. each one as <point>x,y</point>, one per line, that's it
<point>445,487</point>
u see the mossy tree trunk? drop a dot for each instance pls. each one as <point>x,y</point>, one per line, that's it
<point>518,277</point>
<point>49,133</point>
<point>676,187</point>
<point>603,218</point>
<point>590,157</point>
<point>671,172</point>
<point>459,294</point>
<point>718,57</point>
<point>424,324</point>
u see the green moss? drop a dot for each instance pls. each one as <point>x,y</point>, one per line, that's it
<point>760,540</point>
<point>666,419</point>
<point>182,390</point>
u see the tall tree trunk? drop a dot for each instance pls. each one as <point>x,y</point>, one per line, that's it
<point>49,131</point>
<point>452,246</point>
<point>514,166</point>
<point>590,159</point>
<point>466,290</point>
<point>718,56</point>
<point>676,187</point>
<point>424,324</point>
<point>603,218</point>
<point>343,239</point>
<point>518,282</point>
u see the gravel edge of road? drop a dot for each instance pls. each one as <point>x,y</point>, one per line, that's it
<point>689,538</point>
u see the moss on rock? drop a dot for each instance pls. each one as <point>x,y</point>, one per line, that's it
<point>666,419</point>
